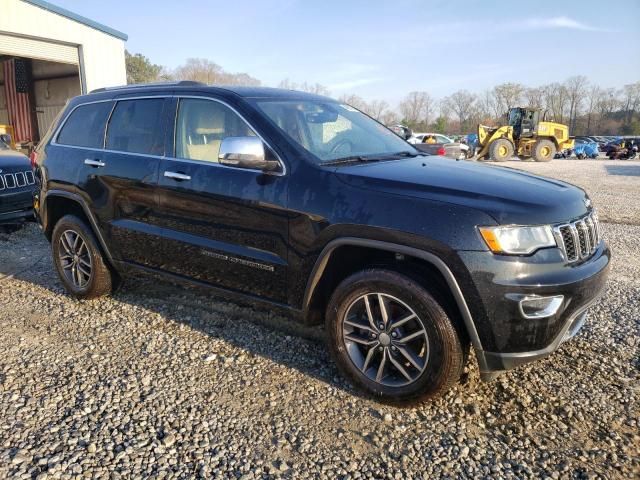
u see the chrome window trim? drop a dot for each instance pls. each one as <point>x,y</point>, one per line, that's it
<point>159,157</point>
<point>106,126</point>
<point>204,162</point>
<point>54,138</point>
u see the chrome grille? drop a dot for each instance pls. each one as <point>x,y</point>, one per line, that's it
<point>579,240</point>
<point>10,181</point>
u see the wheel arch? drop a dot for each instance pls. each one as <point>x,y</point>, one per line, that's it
<point>58,203</point>
<point>551,138</point>
<point>324,263</point>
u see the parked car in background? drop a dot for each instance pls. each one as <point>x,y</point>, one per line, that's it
<point>304,204</point>
<point>17,186</point>
<point>452,149</point>
<point>612,145</point>
<point>416,138</point>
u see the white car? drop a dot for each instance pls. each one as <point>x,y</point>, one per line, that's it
<point>419,137</point>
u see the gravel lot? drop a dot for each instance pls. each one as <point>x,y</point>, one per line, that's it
<point>168,382</point>
<point>614,185</point>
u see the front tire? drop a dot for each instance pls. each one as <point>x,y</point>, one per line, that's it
<point>391,338</point>
<point>544,151</point>
<point>501,150</point>
<point>79,260</point>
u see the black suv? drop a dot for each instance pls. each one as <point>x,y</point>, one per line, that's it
<point>17,185</point>
<point>301,202</point>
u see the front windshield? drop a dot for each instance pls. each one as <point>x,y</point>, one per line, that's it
<point>333,131</point>
<point>514,116</point>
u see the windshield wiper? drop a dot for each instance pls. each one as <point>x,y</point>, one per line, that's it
<point>351,159</point>
<point>370,158</point>
<point>404,153</point>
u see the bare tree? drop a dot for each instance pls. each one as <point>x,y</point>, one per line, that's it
<point>417,108</point>
<point>206,71</point>
<point>376,109</point>
<point>630,100</point>
<point>593,96</point>
<point>534,97</point>
<point>575,88</point>
<point>316,88</point>
<point>555,97</point>
<point>508,95</point>
<point>487,106</point>
<point>389,118</point>
<point>462,103</point>
<point>355,101</point>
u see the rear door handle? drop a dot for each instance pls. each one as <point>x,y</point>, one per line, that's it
<point>94,163</point>
<point>177,176</point>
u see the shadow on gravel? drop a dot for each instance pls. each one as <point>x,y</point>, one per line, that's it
<point>235,321</point>
<point>258,331</point>
<point>624,170</point>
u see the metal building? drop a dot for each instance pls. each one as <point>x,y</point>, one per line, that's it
<point>48,55</point>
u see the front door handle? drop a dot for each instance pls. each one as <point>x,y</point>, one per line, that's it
<point>177,176</point>
<point>94,163</point>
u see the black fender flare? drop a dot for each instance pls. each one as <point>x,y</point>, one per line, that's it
<point>87,211</point>
<point>437,262</point>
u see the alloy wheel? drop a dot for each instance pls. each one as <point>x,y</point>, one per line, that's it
<point>385,339</point>
<point>75,259</point>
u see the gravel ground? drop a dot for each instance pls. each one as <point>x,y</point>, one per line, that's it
<point>614,185</point>
<point>162,381</point>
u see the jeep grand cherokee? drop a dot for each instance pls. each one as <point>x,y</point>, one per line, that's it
<point>17,185</point>
<point>303,203</point>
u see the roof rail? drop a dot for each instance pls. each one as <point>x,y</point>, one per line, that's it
<point>181,83</point>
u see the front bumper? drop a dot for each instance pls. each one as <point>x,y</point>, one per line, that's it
<point>16,207</point>
<point>507,338</point>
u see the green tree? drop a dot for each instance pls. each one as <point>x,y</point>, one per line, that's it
<point>140,69</point>
<point>440,125</point>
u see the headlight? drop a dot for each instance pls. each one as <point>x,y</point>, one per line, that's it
<point>518,240</point>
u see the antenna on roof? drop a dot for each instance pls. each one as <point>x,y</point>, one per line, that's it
<point>181,83</point>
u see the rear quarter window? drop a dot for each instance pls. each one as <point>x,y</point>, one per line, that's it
<point>85,126</point>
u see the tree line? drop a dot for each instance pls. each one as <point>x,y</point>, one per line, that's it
<point>587,108</point>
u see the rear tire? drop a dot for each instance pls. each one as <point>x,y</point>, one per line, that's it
<point>500,150</point>
<point>544,151</point>
<point>79,260</point>
<point>419,359</point>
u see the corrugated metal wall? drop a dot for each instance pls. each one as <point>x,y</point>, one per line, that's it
<point>51,95</point>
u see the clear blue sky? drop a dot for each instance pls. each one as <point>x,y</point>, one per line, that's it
<point>384,49</point>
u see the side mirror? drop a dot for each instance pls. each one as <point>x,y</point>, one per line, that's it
<point>5,138</point>
<point>246,152</point>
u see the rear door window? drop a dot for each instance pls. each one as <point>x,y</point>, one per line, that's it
<point>136,127</point>
<point>85,126</point>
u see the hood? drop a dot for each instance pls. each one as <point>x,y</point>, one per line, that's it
<point>14,160</point>
<point>508,195</point>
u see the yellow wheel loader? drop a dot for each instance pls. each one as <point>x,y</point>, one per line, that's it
<point>525,136</point>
